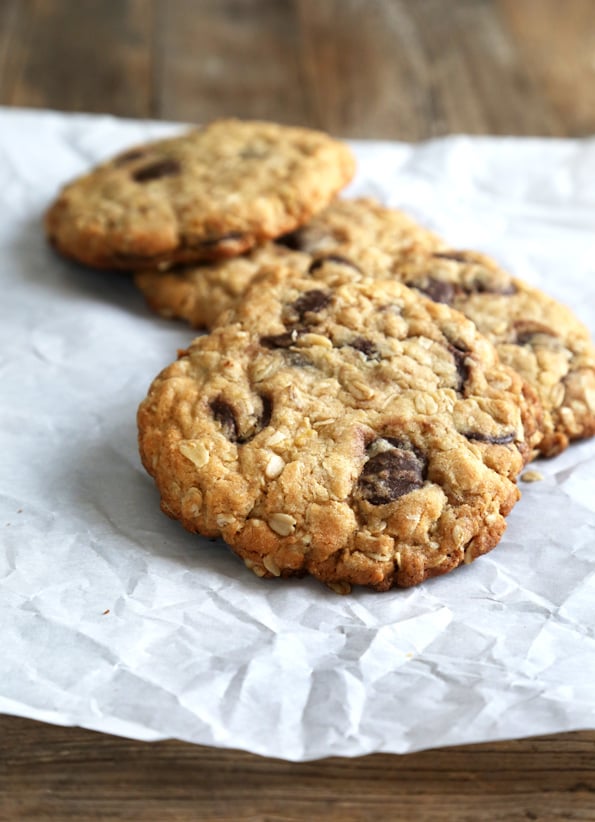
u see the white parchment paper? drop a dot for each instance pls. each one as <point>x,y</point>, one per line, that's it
<point>112,617</point>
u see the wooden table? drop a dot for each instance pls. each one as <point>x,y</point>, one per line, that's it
<point>398,69</point>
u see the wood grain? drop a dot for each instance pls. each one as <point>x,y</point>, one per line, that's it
<point>396,69</point>
<point>87,55</point>
<point>52,773</point>
<point>399,69</point>
<point>558,51</point>
<point>230,57</point>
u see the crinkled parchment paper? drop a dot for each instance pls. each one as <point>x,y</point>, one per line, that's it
<point>112,617</point>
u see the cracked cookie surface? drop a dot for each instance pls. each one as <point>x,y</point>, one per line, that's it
<point>536,335</point>
<point>210,193</point>
<point>361,433</point>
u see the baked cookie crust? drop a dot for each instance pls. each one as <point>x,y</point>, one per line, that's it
<point>351,239</point>
<point>210,193</point>
<point>362,434</point>
<point>359,227</point>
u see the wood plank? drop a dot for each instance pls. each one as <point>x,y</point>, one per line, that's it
<point>404,70</point>
<point>365,69</point>
<point>222,58</point>
<point>9,11</point>
<point>49,773</point>
<point>558,47</point>
<point>88,55</point>
<point>360,68</point>
<point>478,72</point>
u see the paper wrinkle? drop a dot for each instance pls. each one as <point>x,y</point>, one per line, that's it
<point>116,619</point>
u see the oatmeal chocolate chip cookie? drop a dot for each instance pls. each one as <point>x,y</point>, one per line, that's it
<point>361,224</point>
<point>200,293</point>
<point>210,193</point>
<point>362,434</point>
<point>537,336</point>
<point>352,239</point>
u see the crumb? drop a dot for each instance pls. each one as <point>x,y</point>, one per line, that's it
<point>105,612</point>
<point>531,476</point>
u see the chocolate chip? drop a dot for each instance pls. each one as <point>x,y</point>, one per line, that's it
<point>314,301</point>
<point>479,437</point>
<point>367,347</point>
<point>129,156</point>
<point>440,291</point>
<point>284,340</point>
<point>293,241</point>
<point>527,330</point>
<point>481,287</point>
<point>405,445</point>
<point>391,474</point>
<point>261,421</point>
<point>486,281</point>
<point>225,416</point>
<point>267,412</point>
<point>459,355</point>
<point>154,171</point>
<point>332,258</point>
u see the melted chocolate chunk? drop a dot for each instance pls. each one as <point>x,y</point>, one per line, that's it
<point>527,330</point>
<point>459,355</point>
<point>225,416</point>
<point>129,156</point>
<point>293,241</point>
<point>267,412</point>
<point>480,287</point>
<point>156,170</point>
<point>313,301</point>
<point>284,340</point>
<point>439,291</point>
<point>391,474</point>
<point>331,258</point>
<point>504,439</point>
<point>367,347</point>
<point>405,445</point>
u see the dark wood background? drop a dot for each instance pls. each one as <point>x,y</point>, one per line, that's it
<point>398,69</point>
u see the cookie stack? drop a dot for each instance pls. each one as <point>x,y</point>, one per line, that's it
<point>365,397</point>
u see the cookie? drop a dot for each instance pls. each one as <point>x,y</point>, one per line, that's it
<point>351,239</point>
<point>210,193</point>
<point>533,333</point>
<point>362,434</point>
<point>198,294</point>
